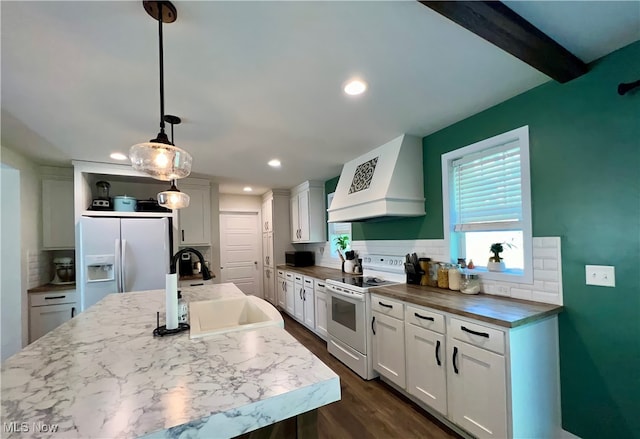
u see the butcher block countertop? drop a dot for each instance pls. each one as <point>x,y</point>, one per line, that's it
<point>318,272</point>
<point>501,311</point>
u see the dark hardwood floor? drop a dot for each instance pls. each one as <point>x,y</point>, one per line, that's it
<point>368,409</point>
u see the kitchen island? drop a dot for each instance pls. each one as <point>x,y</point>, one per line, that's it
<point>103,375</point>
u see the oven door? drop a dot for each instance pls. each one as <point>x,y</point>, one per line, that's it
<point>346,319</point>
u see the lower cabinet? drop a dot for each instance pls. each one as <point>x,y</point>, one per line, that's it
<point>281,287</point>
<point>289,292</point>
<point>49,310</point>
<point>426,372</point>
<point>491,381</point>
<point>269,286</point>
<point>387,326</point>
<point>320,309</point>
<point>308,291</point>
<point>298,304</point>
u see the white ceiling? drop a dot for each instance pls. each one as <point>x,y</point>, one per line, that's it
<point>260,80</point>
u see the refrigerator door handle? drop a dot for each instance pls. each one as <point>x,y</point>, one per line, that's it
<point>116,252</point>
<point>123,264</point>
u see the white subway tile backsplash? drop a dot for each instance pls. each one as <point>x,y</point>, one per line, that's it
<point>547,269</point>
<point>545,253</point>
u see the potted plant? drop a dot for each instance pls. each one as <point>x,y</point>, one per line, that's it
<point>342,242</point>
<point>495,262</point>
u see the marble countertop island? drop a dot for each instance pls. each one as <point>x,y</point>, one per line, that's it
<point>103,375</point>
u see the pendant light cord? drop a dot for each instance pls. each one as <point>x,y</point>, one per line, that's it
<point>161,68</point>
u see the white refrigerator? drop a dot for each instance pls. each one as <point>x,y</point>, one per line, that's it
<point>120,255</point>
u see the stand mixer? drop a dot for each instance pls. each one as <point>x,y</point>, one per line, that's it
<point>64,271</point>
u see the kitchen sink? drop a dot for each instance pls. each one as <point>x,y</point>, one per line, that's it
<point>212,317</point>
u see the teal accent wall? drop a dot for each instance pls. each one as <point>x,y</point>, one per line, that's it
<point>585,188</point>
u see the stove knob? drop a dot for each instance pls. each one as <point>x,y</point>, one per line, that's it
<point>390,262</point>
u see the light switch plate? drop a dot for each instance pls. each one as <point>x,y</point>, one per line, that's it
<point>601,275</point>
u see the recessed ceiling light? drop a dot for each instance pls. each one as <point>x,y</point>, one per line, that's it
<point>275,163</point>
<point>118,156</point>
<point>355,87</point>
<point>247,189</point>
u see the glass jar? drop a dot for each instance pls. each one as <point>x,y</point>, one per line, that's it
<point>455,274</point>
<point>432,281</point>
<point>443,275</point>
<point>470,283</point>
<point>424,268</point>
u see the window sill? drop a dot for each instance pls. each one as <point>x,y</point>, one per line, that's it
<point>518,276</point>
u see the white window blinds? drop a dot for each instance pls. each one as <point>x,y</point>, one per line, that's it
<point>488,189</point>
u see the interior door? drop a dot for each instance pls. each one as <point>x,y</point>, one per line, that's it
<point>240,236</point>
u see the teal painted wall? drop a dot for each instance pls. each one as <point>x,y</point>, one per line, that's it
<point>585,174</point>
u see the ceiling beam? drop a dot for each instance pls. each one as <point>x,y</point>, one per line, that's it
<point>501,26</point>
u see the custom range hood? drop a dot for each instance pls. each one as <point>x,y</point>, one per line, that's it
<point>384,183</point>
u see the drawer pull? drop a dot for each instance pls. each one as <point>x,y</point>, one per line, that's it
<point>373,320</point>
<point>54,297</point>
<point>431,319</point>
<point>196,285</point>
<point>470,331</point>
<point>438,353</point>
<point>73,311</point>
<point>385,305</point>
<point>455,356</point>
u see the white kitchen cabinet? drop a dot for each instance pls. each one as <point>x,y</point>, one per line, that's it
<point>49,310</point>
<point>320,298</point>
<point>308,294</point>
<point>290,294</point>
<point>281,289</point>
<point>426,356</point>
<point>267,215</point>
<point>58,225</point>
<point>298,305</point>
<point>387,327</point>
<point>269,286</point>
<point>308,213</point>
<point>195,220</point>
<point>267,249</point>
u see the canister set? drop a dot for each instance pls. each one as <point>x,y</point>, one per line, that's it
<point>448,276</point>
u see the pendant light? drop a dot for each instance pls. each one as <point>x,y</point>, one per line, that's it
<point>173,198</point>
<point>159,157</point>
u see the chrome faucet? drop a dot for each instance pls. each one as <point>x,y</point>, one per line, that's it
<point>206,274</point>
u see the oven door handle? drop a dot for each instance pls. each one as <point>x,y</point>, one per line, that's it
<point>356,298</point>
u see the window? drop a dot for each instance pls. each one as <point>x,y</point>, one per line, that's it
<point>336,230</point>
<point>487,199</point>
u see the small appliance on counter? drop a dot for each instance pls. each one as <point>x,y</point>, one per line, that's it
<point>124,203</point>
<point>103,201</point>
<point>300,258</point>
<point>64,271</point>
<point>186,266</point>
<point>150,205</point>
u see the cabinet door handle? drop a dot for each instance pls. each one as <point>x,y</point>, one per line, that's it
<point>54,297</point>
<point>182,235</point>
<point>385,305</point>
<point>300,293</point>
<point>438,353</point>
<point>304,295</point>
<point>470,331</point>
<point>73,311</point>
<point>455,356</point>
<point>373,320</point>
<point>431,319</point>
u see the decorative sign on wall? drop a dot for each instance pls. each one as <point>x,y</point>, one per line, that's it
<point>362,177</point>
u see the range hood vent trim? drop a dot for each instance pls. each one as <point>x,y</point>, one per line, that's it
<point>394,187</point>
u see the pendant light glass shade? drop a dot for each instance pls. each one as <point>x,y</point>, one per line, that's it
<point>173,198</point>
<point>161,161</point>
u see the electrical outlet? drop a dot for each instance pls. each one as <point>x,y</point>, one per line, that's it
<point>600,275</point>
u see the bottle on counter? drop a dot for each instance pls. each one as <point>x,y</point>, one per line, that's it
<point>443,275</point>
<point>455,273</point>
<point>424,267</point>
<point>183,309</point>
<point>432,281</point>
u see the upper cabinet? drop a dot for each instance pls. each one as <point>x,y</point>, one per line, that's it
<point>195,221</point>
<point>308,222</point>
<point>267,214</point>
<point>57,213</point>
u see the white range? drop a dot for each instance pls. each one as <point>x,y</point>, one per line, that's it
<point>349,310</point>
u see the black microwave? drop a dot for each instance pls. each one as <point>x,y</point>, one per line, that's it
<point>300,258</point>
